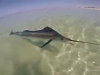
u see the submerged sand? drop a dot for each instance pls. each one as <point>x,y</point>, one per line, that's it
<point>25,57</point>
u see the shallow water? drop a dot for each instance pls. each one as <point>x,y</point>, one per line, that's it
<point>20,56</point>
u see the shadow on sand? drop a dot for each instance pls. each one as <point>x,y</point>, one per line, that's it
<point>40,43</point>
<point>34,69</point>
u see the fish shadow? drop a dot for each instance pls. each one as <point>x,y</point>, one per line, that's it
<point>40,43</point>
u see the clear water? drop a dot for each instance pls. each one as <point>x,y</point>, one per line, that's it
<point>20,56</point>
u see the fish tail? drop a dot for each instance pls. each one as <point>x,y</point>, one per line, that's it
<point>11,32</point>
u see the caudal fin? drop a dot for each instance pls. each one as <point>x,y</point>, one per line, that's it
<point>11,32</point>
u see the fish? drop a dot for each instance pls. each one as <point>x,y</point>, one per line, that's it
<point>46,33</point>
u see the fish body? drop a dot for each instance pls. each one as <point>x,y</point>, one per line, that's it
<point>46,33</point>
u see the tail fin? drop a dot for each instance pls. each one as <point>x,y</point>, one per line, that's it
<point>11,32</point>
<point>84,42</point>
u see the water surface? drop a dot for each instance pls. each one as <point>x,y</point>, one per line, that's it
<point>20,56</point>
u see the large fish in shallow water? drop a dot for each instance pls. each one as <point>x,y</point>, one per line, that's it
<point>46,33</point>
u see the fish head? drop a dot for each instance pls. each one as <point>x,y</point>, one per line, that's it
<point>63,39</point>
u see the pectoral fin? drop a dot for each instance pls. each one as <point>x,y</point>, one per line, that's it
<point>46,43</point>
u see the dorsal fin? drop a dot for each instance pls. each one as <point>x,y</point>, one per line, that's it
<point>48,29</point>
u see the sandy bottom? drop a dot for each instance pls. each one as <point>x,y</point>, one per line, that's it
<point>20,56</point>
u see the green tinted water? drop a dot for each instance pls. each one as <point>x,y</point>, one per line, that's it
<point>20,56</point>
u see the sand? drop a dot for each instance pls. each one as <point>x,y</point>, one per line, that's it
<point>24,57</point>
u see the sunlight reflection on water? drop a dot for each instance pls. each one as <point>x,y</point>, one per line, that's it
<point>20,57</point>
